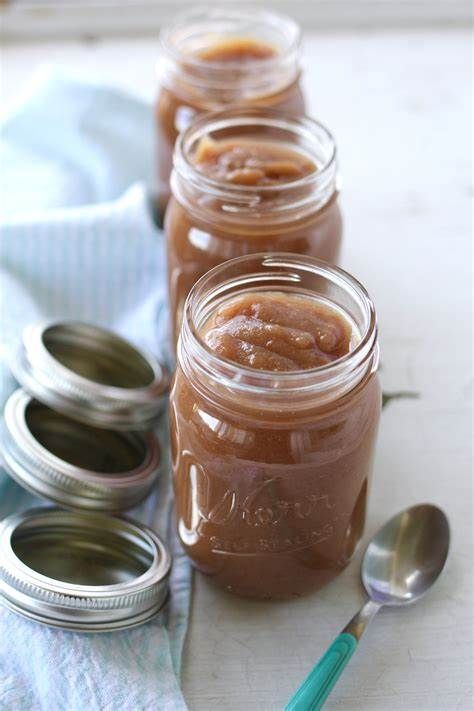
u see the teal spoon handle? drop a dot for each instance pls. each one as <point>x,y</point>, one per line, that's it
<point>319,683</point>
<point>317,686</point>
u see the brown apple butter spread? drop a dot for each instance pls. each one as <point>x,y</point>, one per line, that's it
<point>209,61</point>
<point>277,331</point>
<point>247,181</point>
<point>245,161</point>
<point>237,49</point>
<point>274,413</point>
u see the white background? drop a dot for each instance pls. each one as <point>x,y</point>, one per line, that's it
<point>76,18</point>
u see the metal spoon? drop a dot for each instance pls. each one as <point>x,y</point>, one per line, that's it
<point>401,563</point>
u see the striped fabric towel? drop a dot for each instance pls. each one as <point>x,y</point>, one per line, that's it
<point>77,241</point>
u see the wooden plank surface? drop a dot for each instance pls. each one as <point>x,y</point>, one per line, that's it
<point>400,105</point>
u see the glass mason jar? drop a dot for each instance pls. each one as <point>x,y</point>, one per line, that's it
<point>208,221</point>
<point>189,84</point>
<point>272,470</point>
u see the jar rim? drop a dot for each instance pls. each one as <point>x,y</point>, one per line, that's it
<point>210,13</point>
<point>314,130</point>
<point>312,379</point>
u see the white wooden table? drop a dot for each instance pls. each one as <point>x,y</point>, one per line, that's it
<point>400,107</point>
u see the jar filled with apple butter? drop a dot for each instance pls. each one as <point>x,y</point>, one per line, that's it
<point>212,58</point>
<point>248,181</point>
<point>274,414</point>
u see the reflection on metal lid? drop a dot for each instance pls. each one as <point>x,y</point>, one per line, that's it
<point>82,571</point>
<point>72,463</point>
<point>90,374</point>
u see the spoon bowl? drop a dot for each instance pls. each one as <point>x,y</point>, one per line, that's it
<point>406,556</point>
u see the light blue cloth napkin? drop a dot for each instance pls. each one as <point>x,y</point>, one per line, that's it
<point>77,241</point>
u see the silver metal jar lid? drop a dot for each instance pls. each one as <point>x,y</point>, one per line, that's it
<point>72,463</point>
<point>82,571</point>
<point>90,374</point>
